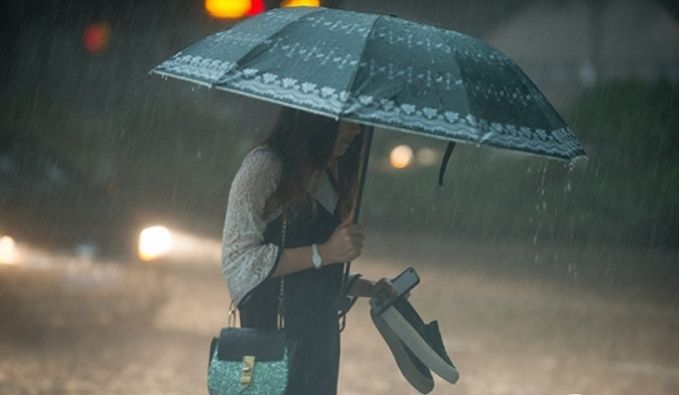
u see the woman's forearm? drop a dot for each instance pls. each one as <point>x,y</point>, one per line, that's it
<point>297,259</point>
<point>300,258</point>
<point>344,245</point>
<point>362,287</point>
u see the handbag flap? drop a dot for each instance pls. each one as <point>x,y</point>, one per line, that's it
<point>264,344</point>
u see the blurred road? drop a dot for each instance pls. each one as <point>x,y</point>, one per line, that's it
<point>73,327</point>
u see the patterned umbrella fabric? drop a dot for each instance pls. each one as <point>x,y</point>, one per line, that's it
<point>382,71</point>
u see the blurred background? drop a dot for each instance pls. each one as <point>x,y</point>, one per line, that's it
<point>546,277</point>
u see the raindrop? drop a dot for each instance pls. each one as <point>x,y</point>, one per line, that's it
<point>571,165</point>
<point>573,270</point>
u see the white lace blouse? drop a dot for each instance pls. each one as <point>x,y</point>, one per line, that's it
<point>246,259</point>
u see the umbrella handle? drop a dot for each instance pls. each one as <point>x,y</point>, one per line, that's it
<point>365,156</point>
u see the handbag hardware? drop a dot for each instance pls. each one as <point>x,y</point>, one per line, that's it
<point>248,366</point>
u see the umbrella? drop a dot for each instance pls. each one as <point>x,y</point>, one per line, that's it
<point>381,71</point>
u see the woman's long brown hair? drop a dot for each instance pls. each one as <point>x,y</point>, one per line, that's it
<point>304,143</point>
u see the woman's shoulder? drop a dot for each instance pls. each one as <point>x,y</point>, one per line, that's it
<point>262,157</point>
<point>261,153</point>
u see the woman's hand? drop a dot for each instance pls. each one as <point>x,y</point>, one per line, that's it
<point>344,245</point>
<point>363,287</point>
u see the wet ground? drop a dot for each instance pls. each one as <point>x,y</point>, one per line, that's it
<point>77,327</point>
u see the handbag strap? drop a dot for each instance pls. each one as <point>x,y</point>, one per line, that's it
<point>280,313</point>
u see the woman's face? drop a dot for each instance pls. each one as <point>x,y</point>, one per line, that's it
<point>345,134</point>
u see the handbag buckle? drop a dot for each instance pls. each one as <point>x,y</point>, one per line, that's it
<point>246,371</point>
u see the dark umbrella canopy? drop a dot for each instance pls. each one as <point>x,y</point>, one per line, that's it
<point>381,71</point>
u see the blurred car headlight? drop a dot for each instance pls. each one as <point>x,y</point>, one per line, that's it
<point>8,250</point>
<point>154,242</point>
<point>401,156</point>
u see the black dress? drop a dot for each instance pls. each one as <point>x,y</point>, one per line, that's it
<point>311,319</point>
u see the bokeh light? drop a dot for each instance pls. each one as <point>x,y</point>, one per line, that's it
<point>154,242</point>
<point>301,3</point>
<point>228,9</point>
<point>96,37</point>
<point>256,7</point>
<point>8,250</point>
<point>426,156</point>
<point>401,156</point>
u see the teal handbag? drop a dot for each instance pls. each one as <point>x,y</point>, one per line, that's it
<point>250,361</point>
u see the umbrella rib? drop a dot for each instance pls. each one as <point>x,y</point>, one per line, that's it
<point>360,58</point>
<point>468,101</point>
<point>237,63</point>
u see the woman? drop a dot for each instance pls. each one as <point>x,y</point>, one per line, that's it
<point>306,168</point>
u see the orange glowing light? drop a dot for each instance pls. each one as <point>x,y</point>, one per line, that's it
<point>96,37</point>
<point>401,156</point>
<point>257,7</point>
<point>228,9</point>
<point>302,3</point>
